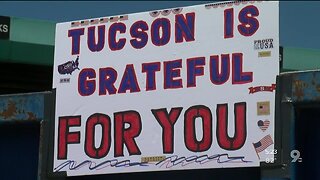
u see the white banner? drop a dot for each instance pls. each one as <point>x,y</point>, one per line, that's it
<point>181,88</point>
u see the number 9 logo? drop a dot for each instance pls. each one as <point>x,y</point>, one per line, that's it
<point>295,154</point>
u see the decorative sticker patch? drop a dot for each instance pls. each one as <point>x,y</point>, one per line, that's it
<point>263,144</point>
<point>69,67</point>
<point>263,108</point>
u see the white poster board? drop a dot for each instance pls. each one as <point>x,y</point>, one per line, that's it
<point>181,88</point>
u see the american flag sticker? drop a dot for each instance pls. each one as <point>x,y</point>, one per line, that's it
<point>263,143</point>
<point>154,13</point>
<point>166,12</point>
<point>104,20</point>
<point>123,18</point>
<point>263,125</point>
<point>114,19</point>
<point>263,108</point>
<point>94,21</point>
<point>75,24</point>
<point>84,23</point>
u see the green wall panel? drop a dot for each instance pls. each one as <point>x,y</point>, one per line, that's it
<point>26,53</point>
<point>31,42</point>
<point>32,31</point>
<point>5,49</point>
<point>301,59</point>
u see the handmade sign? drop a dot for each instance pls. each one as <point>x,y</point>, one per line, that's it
<point>181,88</point>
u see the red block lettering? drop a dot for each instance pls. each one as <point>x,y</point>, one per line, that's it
<point>105,122</point>
<point>125,135</point>
<point>66,137</point>
<point>167,122</point>
<point>240,134</point>
<point>190,139</point>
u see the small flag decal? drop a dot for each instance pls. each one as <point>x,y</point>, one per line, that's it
<point>263,143</point>
<point>263,125</point>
